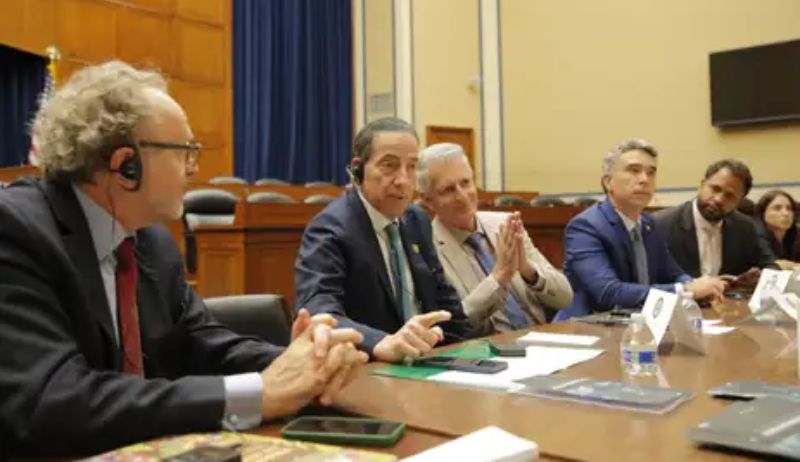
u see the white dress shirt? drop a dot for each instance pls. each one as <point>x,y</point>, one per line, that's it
<point>709,243</point>
<point>379,223</point>
<point>630,225</point>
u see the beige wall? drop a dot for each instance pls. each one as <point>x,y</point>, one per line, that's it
<point>446,59</point>
<point>378,53</point>
<point>578,76</point>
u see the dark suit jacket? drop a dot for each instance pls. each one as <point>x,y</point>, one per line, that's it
<point>61,389</point>
<point>340,270</point>
<point>742,248</point>
<point>600,264</point>
<point>789,249</point>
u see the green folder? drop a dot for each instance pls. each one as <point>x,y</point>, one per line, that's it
<point>468,350</point>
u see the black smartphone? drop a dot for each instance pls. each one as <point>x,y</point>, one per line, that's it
<point>479,366</point>
<point>344,430</point>
<point>208,454</point>
<point>508,349</point>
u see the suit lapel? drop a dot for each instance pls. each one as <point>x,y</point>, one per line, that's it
<point>153,323</point>
<point>729,247</point>
<point>147,293</point>
<point>417,265</point>
<point>647,231</point>
<point>622,236</point>
<point>688,237</point>
<point>370,244</point>
<point>80,247</point>
<point>450,250</point>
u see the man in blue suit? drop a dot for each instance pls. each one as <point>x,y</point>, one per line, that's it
<point>368,258</point>
<point>614,253</point>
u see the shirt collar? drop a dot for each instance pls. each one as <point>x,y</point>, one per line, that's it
<point>379,221</point>
<point>630,225</point>
<point>107,233</point>
<point>461,235</point>
<point>701,222</point>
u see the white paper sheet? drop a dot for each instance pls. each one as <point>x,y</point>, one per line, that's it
<point>717,330</point>
<point>489,444</point>
<point>539,360</point>
<point>564,339</point>
<point>712,327</point>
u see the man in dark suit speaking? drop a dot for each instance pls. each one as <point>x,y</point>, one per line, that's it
<point>103,342</point>
<point>368,258</point>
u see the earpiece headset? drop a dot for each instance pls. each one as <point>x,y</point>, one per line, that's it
<point>130,168</point>
<point>356,168</point>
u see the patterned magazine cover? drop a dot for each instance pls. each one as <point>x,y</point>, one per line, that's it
<point>254,448</point>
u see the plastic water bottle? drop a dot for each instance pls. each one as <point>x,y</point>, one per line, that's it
<point>638,349</point>
<point>693,312</point>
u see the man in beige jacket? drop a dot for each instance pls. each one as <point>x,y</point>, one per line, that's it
<point>504,282</point>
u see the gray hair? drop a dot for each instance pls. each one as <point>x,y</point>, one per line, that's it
<point>630,144</point>
<point>95,112</point>
<point>362,144</point>
<point>436,153</point>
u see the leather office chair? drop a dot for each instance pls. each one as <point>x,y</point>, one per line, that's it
<point>271,182</point>
<point>747,207</point>
<point>204,207</point>
<point>270,196</point>
<point>547,201</point>
<point>227,180</point>
<point>319,184</point>
<point>265,316</point>
<point>319,199</point>
<point>507,200</point>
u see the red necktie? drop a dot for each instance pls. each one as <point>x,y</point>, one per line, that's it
<point>127,311</point>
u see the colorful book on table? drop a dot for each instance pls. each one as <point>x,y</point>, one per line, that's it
<point>253,448</point>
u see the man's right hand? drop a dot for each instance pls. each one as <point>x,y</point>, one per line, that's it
<point>418,336</point>
<point>706,287</point>
<point>299,374</point>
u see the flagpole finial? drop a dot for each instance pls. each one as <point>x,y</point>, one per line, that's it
<point>53,56</point>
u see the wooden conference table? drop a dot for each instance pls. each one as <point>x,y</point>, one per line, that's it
<point>571,431</point>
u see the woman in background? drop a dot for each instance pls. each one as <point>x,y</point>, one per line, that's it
<point>776,212</point>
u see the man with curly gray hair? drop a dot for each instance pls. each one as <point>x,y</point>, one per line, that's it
<point>104,342</point>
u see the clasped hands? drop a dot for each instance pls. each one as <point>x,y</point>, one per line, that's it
<point>509,252</point>
<point>317,364</point>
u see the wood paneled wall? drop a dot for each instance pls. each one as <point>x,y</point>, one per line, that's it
<point>187,40</point>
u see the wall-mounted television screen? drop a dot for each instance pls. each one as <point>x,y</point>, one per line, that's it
<point>755,84</point>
